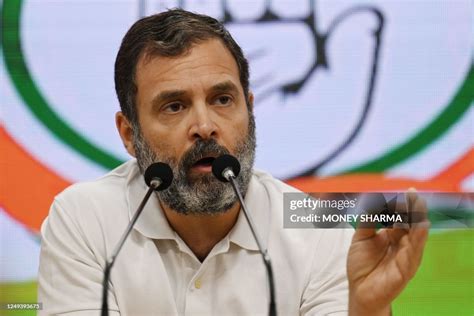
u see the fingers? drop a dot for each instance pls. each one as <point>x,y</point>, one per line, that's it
<point>411,196</point>
<point>420,214</point>
<point>419,226</point>
<point>407,260</point>
<point>415,223</point>
<point>395,234</point>
<point>417,209</point>
<point>399,229</point>
<point>364,233</point>
<point>410,238</point>
<point>417,217</point>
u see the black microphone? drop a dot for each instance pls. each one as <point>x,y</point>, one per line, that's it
<point>226,168</point>
<point>158,176</point>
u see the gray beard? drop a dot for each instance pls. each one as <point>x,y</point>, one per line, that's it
<point>202,195</point>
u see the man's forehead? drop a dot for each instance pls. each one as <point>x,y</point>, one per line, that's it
<point>209,61</point>
<point>212,51</point>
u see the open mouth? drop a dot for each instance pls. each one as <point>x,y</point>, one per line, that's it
<point>204,163</point>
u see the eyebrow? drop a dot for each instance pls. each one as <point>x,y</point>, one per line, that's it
<point>226,86</point>
<point>167,95</point>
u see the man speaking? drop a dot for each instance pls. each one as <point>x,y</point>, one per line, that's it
<point>183,87</point>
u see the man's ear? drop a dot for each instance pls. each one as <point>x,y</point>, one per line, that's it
<point>126,132</point>
<point>250,101</point>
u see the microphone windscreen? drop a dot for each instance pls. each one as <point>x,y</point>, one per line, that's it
<point>223,162</point>
<point>159,170</point>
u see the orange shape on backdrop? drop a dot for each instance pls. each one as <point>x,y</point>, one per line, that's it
<point>459,170</point>
<point>369,183</point>
<point>448,180</point>
<point>27,188</point>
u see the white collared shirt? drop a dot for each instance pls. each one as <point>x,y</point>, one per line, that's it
<point>157,274</point>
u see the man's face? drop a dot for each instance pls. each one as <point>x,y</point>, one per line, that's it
<point>191,109</point>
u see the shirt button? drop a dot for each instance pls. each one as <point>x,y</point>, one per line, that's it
<point>198,284</point>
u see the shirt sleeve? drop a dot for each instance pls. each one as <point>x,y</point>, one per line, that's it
<point>70,274</point>
<point>327,290</point>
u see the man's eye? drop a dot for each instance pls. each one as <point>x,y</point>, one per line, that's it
<point>223,100</point>
<point>173,107</point>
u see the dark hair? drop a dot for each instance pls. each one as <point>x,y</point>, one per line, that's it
<point>170,33</point>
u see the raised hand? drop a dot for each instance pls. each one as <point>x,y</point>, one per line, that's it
<point>381,263</point>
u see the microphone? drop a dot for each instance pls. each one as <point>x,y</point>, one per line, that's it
<point>226,168</point>
<point>158,176</point>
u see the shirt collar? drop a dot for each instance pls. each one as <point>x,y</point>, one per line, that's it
<point>152,223</point>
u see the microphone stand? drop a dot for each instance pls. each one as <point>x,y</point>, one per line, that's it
<point>155,183</point>
<point>229,175</point>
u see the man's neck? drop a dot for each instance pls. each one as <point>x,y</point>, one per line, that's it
<point>202,232</point>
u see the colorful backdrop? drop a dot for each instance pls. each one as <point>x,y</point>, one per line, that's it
<point>368,95</point>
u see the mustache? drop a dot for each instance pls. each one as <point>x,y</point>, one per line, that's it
<point>201,149</point>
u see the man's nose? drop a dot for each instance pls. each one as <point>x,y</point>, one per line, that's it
<point>202,123</point>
